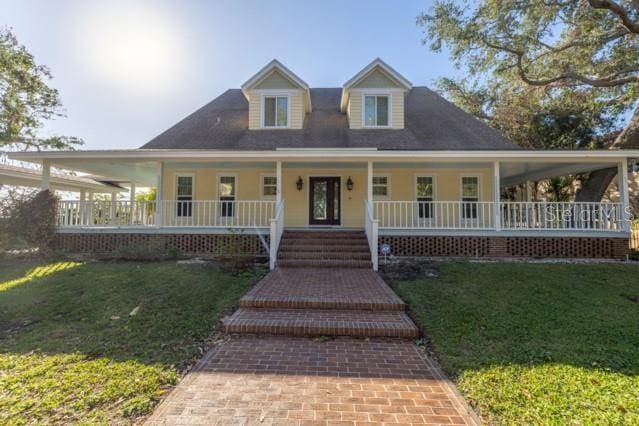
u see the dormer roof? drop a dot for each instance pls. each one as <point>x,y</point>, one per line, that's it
<point>377,64</point>
<point>276,66</point>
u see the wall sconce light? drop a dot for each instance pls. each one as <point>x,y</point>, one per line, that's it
<point>299,183</point>
<point>349,184</point>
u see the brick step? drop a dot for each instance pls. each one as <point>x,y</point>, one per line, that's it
<point>304,322</point>
<point>321,263</point>
<point>324,255</point>
<point>313,245</point>
<point>301,248</point>
<point>327,241</point>
<point>317,288</point>
<point>324,235</point>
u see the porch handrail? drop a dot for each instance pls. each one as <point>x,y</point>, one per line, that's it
<point>372,231</point>
<point>277,229</point>
<point>514,215</point>
<point>434,214</point>
<point>217,213</point>
<point>175,213</point>
<point>98,213</point>
<point>582,216</point>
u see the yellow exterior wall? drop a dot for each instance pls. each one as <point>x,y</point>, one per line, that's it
<point>297,202</point>
<point>354,111</point>
<point>402,187</point>
<point>297,110</point>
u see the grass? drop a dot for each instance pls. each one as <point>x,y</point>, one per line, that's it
<point>71,352</point>
<point>536,343</point>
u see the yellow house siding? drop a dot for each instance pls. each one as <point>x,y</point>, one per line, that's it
<point>297,202</point>
<point>354,110</point>
<point>376,80</point>
<point>397,110</point>
<point>402,187</point>
<point>297,110</point>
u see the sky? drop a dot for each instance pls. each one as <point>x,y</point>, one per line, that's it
<point>128,70</point>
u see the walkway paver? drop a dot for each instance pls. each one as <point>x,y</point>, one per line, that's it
<point>268,380</point>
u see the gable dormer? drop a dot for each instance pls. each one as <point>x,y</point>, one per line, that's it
<point>278,99</point>
<point>374,97</point>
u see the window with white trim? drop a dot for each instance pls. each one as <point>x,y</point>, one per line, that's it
<point>381,186</point>
<point>376,110</point>
<point>226,192</point>
<point>424,192</point>
<point>184,195</point>
<point>275,111</point>
<point>469,196</point>
<point>269,186</point>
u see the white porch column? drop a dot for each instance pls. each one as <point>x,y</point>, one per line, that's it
<point>528,191</point>
<point>114,198</point>
<point>622,172</point>
<point>46,175</point>
<point>132,203</point>
<point>278,182</point>
<point>496,197</point>
<point>158,195</point>
<point>369,193</point>
<point>89,209</point>
<point>82,207</point>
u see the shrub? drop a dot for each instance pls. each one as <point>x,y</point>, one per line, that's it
<point>28,220</point>
<point>144,252</point>
<point>37,220</point>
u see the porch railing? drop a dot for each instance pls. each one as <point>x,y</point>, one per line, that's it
<point>434,214</point>
<point>172,213</point>
<point>560,216</point>
<point>277,229</point>
<point>217,213</point>
<point>99,213</point>
<point>468,215</point>
<point>372,231</point>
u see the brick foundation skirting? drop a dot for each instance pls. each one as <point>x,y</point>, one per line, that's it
<point>195,244</point>
<point>479,246</point>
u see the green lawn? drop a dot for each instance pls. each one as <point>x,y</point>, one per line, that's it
<point>70,352</point>
<point>536,343</point>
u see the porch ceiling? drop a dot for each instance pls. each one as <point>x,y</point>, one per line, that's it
<point>517,173</point>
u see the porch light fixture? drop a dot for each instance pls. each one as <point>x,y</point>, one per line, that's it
<point>299,183</point>
<point>349,184</point>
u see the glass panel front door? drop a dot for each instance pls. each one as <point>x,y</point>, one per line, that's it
<point>324,201</point>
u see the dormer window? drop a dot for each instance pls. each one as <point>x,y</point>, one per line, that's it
<point>376,110</point>
<point>275,111</point>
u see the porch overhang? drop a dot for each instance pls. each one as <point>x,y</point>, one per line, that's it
<point>517,166</point>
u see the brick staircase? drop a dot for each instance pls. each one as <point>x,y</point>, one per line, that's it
<point>324,249</point>
<point>322,302</point>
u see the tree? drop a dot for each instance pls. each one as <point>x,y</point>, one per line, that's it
<point>565,48</point>
<point>26,101</point>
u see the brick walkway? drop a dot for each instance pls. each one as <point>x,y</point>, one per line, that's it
<point>277,380</point>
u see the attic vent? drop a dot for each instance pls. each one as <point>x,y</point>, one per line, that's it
<point>218,119</point>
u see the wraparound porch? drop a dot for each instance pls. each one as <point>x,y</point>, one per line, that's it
<point>385,193</point>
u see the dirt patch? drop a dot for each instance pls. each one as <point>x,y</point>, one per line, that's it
<point>409,270</point>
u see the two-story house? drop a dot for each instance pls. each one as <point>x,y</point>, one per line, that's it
<point>379,156</point>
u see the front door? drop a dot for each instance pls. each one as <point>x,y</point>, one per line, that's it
<point>324,201</point>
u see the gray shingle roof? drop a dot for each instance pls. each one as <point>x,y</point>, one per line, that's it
<point>431,123</point>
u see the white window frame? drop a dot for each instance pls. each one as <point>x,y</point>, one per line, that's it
<point>263,109</point>
<point>388,186</point>
<point>434,210</point>
<point>262,177</point>
<point>461,196</point>
<point>389,95</point>
<point>177,175</point>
